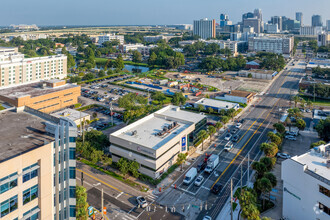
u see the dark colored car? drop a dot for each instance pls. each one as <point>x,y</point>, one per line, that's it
<point>242,120</point>
<point>216,188</point>
<point>235,138</point>
<point>201,166</point>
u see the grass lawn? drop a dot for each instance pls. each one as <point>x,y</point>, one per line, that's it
<point>318,101</point>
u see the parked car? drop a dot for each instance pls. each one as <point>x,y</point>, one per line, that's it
<point>201,166</point>
<point>290,137</point>
<point>141,201</point>
<point>283,155</point>
<point>234,130</point>
<point>238,125</point>
<point>228,137</point>
<point>242,121</point>
<point>199,180</point>
<point>291,133</point>
<point>216,188</point>
<point>235,138</point>
<point>228,146</point>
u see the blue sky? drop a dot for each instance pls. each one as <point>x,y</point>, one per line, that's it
<point>139,12</point>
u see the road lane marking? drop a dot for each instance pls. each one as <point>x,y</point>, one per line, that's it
<point>119,195</point>
<point>100,180</point>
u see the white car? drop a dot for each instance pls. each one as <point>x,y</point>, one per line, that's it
<point>228,146</point>
<point>227,137</point>
<point>283,155</point>
<point>238,125</point>
<point>199,180</point>
<point>290,137</point>
<point>141,201</point>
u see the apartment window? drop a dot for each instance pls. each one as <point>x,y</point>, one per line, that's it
<point>8,206</point>
<point>72,139</point>
<point>72,192</point>
<point>72,172</point>
<point>33,214</point>
<point>30,172</point>
<point>324,208</point>
<point>72,211</point>
<point>72,153</point>
<point>324,191</point>
<point>8,182</point>
<point>30,194</point>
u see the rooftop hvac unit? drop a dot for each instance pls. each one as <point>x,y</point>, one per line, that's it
<point>165,129</point>
<point>175,124</point>
<point>134,132</point>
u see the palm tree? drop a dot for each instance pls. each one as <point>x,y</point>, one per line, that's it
<point>296,99</point>
<point>218,125</point>
<point>181,158</point>
<point>247,202</point>
<point>211,130</point>
<point>202,135</point>
<point>263,186</point>
<point>309,103</point>
<point>303,103</point>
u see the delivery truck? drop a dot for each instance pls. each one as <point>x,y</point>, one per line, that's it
<point>212,162</point>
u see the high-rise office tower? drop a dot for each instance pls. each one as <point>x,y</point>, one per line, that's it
<point>204,28</point>
<point>317,21</point>
<point>224,20</point>
<point>328,25</point>
<point>299,17</point>
<point>253,22</point>
<point>257,13</point>
<point>247,15</point>
<point>277,20</point>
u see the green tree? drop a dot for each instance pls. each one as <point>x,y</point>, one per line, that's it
<point>294,112</point>
<point>210,110</point>
<point>263,186</point>
<point>231,113</point>
<point>137,56</point>
<point>152,59</point>
<point>279,127</point>
<point>296,99</point>
<point>123,166</point>
<point>134,168</point>
<point>269,162</point>
<point>119,62</point>
<point>211,129</point>
<point>70,61</point>
<point>81,203</point>
<point>316,144</point>
<point>202,135</point>
<point>158,96</point>
<point>274,138</point>
<point>218,125</point>
<point>200,107</point>
<point>101,73</point>
<point>75,79</point>
<point>309,103</point>
<point>301,124</point>
<point>225,119</point>
<point>270,149</point>
<point>323,129</point>
<point>247,201</point>
<point>89,76</point>
<point>260,169</point>
<point>180,159</point>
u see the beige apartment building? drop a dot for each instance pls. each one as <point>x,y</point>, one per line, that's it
<point>37,166</point>
<point>15,69</point>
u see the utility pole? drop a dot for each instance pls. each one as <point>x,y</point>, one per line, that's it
<point>241,177</point>
<point>111,113</point>
<point>231,199</point>
<point>82,179</point>
<point>102,204</point>
<point>248,169</point>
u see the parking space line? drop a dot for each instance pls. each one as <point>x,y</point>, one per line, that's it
<point>119,195</point>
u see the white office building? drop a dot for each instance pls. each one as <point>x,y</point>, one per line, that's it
<point>216,105</point>
<point>271,28</point>
<point>204,28</point>
<point>310,31</point>
<point>17,70</point>
<point>274,44</point>
<point>306,185</point>
<point>110,37</point>
<point>155,140</point>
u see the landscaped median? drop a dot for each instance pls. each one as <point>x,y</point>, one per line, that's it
<point>115,175</point>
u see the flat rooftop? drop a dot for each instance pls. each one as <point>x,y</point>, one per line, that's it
<point>315,162</point>
<point>32,89</point>
<point>71,114</point>
<point>22,133</point>
<point>216,103</point>
<point>240,93</point>
<point>147,127</point>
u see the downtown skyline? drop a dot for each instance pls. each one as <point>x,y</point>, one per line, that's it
<point>170,12</point>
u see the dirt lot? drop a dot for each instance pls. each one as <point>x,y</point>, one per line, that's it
<point>231,81</point>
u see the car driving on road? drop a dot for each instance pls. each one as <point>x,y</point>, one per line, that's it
<point>199,180</point>
<point>235,138</point>
<point>141,201</point>
<point>228,137</point>
<point>217,188</point>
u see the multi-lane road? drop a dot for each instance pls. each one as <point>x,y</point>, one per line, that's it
<point>258,122</point>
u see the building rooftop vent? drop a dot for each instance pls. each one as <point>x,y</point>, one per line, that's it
<point>134,132</point>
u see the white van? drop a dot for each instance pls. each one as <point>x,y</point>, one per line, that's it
<point>190,176</point>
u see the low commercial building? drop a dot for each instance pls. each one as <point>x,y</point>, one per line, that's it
<point>238,96</point>
<point>110,37</point>
<point>252,65</point>
<point>155,140</point>
<point>37,163</point>
<point>215,104</point>
<point>274,44</point>
<point>76,116</point>
<point>258,74</point>
<point>155,39</point>
<point>321,63</point>
<point>46,96</point>
<point>306,185</point>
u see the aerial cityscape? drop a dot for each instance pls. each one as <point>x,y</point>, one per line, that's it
<point>141,110</point>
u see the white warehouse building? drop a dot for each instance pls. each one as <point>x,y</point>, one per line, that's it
<point>306,185</point>
<point>155,140</point>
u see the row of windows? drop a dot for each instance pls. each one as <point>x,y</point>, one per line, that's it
<point>324,208</point>
<point>72,194</point>
<point>72,174</point>
<point>72,155</point>
<point>72,213</point>
<point>32,173</point>
<point>30,194</point>
<point>68,100</point>
<point>33,214</point>
<point>48,106</point>
<point>8,182</point>
<point>8,206</point>
<point>324,191</point>
<point>56,97</point>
